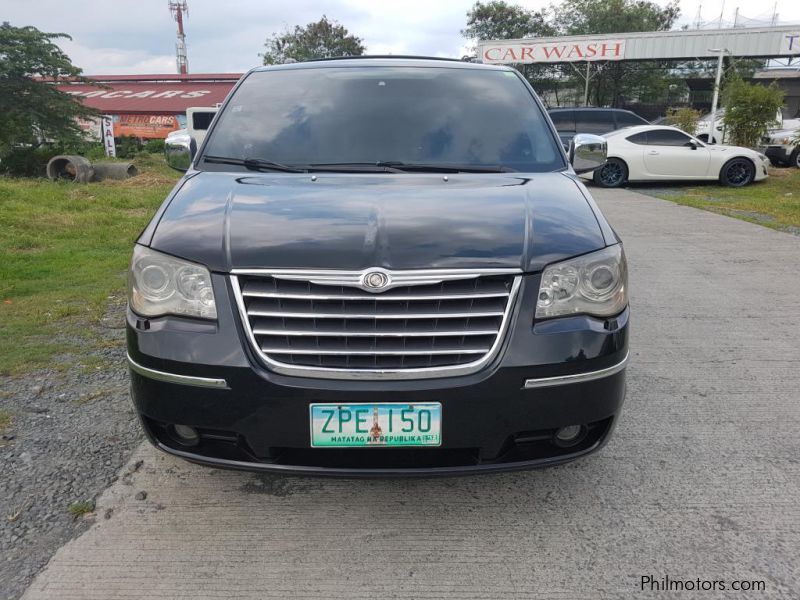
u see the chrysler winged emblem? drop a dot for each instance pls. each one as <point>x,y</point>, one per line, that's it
<point>375,281</point>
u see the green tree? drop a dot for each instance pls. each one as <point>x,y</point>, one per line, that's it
<point>684,118</point>
<point>750,110</point>
<point>611,82</point>
<point>31,109</point>
<point>577,17</point>
<point>614,82</point>
<point>498,20</point>
<point>322,39</point>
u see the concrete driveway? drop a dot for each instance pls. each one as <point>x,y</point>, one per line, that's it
<point>702,479</point>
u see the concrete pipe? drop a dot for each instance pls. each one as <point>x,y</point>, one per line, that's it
<point>114,170</point>
<point>74,168</point>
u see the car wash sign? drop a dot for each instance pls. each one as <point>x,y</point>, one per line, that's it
<point>741,42</point>
<point>551,51</point>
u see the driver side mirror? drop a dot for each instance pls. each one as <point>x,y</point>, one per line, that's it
<point>587,152</point>
<point>179,151</point>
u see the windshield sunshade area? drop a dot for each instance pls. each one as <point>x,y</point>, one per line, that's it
<point>398,115</point>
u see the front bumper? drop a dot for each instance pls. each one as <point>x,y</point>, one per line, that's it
<point>557,373</point>
<point>777,154</point>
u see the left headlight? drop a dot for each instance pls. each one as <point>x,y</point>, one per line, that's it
<point>159,284</point>
<point>593,284</point>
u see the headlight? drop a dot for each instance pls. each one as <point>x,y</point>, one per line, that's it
<point>763,157</point>
<point>159,284</point>
<point>594,284</point>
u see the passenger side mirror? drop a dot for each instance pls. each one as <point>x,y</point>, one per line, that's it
<point>691,144</point>
<point>587,152</point>
<point>179,151</point>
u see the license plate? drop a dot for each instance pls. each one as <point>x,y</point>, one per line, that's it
<point>375,425</point>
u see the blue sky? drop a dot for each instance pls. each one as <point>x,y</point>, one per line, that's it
<point>137,36</point>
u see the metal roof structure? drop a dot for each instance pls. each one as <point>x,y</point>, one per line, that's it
<point>152,94</point>
<point>755,42</point>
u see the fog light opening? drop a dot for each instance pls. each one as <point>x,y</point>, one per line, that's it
<point>569,436</point>
<point>184,435</point>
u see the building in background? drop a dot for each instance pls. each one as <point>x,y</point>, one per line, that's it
<point>149,106</point>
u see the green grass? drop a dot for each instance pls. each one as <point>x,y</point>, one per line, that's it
<point>80,508</point>
<point>774,202</point>
<point>65,250</point>
<point>5,419</point>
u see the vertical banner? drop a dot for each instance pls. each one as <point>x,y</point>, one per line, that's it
<point>108,135</point>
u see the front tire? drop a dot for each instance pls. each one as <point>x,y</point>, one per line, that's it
<point>612,174</point>
<point>794,160</point>
<point>737,172</point>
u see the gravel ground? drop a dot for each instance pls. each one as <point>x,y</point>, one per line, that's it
<point>700,481</point>
<point>71,430</point>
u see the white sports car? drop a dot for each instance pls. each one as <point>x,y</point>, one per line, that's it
<point>656,153</point>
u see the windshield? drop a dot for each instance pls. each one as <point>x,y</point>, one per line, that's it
<point>409,115</point>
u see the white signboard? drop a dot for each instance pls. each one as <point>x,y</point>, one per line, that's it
<point>552,51</point>
<point>791,43</point>
<point>108,135</point>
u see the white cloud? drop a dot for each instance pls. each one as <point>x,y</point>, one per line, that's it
<point>113,61</point>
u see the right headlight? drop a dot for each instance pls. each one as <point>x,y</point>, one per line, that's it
<point>159,284</point>
<point>593,284</point>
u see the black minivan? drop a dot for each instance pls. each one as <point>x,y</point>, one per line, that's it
<point>379,266</point>
<point>571,121</point>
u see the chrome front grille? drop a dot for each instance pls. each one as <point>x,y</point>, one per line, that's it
<point>327,323</point>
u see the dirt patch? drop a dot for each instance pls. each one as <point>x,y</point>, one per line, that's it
<point>70,430</point>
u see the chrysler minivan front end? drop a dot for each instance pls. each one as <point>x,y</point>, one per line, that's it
<point>380,267</point>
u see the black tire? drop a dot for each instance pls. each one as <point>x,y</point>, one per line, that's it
<point>737,172</point>
<point>794,159</point>
<point>612,174</point>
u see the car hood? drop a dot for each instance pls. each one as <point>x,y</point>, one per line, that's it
<point>779,133</point>
<point>396,221</point>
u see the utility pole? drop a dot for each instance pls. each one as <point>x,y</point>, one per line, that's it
<point>178,8</point>
<point>586,86</point>
<point>721,52</point>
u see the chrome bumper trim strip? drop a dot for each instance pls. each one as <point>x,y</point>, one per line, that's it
<point>208,382</point>
<point>576,378</point>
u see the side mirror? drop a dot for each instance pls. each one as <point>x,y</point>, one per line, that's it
<point>179,151</point>
<point>692,144</point>
<point>587,152</point>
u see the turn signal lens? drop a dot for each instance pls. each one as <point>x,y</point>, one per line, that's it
<point>594,284</point>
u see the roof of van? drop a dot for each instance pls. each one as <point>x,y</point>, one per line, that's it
<point>384,61</point>
<point>589,108</point>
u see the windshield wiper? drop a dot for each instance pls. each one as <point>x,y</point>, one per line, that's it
<point>354,167</point>
<point>255,164</point>
<point>446,168</point>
